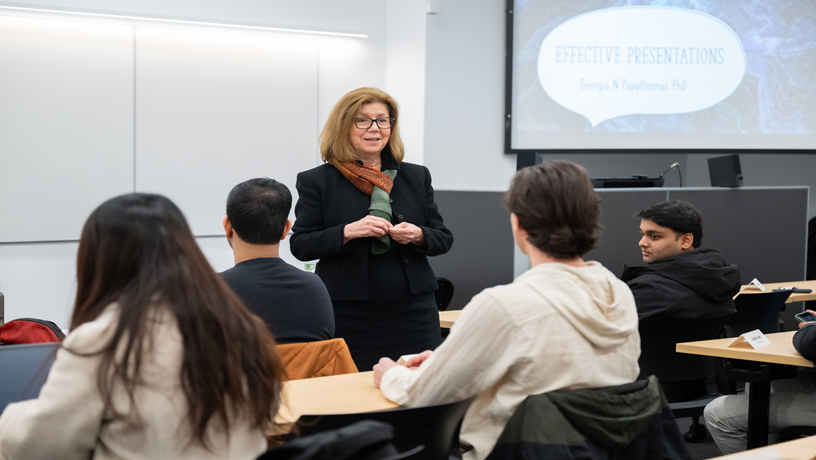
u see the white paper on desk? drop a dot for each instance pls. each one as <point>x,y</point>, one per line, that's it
<point>754,338</point>
<point>404,359</point>
<point>764,454</point>
<point>756,283</point>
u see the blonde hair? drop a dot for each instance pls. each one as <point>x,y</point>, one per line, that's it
<point>334,139</point>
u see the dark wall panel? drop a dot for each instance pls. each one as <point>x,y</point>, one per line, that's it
<point>762,231</point>
<point>482,252</point>
<point>619,240</point>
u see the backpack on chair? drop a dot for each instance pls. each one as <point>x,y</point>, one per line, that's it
<point>30,330</point>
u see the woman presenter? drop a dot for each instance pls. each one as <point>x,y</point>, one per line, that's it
<point>372,221</point>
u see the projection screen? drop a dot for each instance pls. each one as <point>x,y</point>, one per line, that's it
<point>679,75</point>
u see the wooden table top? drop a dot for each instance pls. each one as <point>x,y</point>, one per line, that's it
<point>338,394</point>
<point>447,318</point>
<point>795,297</point>
<point>780,351</point>
<point>799,449</point>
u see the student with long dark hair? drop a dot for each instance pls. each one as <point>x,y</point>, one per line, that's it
<point>163,360</point>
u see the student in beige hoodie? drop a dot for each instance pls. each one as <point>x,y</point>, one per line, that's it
<point>563,324</point>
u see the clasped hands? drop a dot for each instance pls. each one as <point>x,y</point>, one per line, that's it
<point>402,233</point>
<point>387,363</point>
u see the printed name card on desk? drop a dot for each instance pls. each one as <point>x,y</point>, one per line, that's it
<point>755,339</point>
<point>755,284</point>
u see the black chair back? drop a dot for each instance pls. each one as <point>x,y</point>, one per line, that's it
<point>23,370</point>
<point>435,427</point>
<point>810,263</point>
<point>444,294</point>
<point>365,440</point>
<point>658,340</point>
<point>795,432</point>
<point>757,311</point>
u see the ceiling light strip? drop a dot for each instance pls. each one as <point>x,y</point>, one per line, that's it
<point>181,21</point>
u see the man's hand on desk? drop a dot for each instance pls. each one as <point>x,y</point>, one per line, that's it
<point>386,363</point>
<point>415,361</point>
<point>380,369</point>
<point>801,325</point>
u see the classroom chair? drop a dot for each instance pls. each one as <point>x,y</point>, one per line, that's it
<point>444,294</point>
<point>795,432</point>
<point>23,370</point>
<point>434,427</point>
<point>681,374</point>
<point>757,311</point>
<point>364,440</point>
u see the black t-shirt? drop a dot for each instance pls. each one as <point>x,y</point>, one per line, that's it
<point>293,303</point>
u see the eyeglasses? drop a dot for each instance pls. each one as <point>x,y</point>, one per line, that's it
<point>382,123</point>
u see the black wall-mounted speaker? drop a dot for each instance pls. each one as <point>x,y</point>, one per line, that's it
<point>725,171</point>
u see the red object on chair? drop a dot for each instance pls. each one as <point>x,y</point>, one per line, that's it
<point>29,330</point>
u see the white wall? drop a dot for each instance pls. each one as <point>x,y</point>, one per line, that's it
<point>464,97</point>
<point>405,71</point>
<point>66,118</point>
<point>214,109</point>
<point>344,64</point>
<point>38,278</point>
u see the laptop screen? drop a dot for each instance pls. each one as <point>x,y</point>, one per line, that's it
<point>23,369</point>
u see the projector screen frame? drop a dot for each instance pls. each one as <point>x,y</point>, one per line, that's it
<point>527,156</point>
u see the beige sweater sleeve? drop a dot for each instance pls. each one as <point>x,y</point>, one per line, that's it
<point>64,421</point>
<point>482,346</point>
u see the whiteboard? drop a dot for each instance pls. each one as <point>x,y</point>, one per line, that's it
<point>66,124</point>
<point>38,280</point>
<point>216,108</point>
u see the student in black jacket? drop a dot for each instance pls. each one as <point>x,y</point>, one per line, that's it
<point>793,402</point>
<point>682,286</point>
<point>372,221</point>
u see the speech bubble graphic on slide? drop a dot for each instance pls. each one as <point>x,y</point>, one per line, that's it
<point>640,60</point>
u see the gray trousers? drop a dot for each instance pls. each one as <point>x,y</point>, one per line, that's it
<point>793,402</point>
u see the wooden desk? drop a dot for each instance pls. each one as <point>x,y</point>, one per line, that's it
<point>800,449</point>
<point>447,318</point>
<point>779,352</point>
<point>338,394</point>
<point>795,297</point>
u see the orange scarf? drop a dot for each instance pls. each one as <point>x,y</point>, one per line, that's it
<point>364,177</point>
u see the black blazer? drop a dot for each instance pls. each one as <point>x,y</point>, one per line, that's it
<point>328,201</point>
